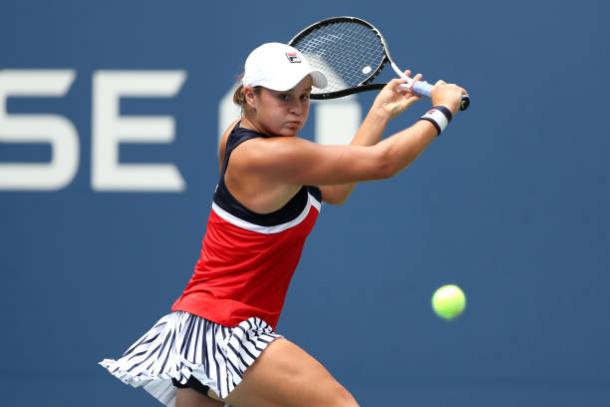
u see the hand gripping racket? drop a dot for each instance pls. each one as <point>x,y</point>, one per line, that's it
<point>351,52</point>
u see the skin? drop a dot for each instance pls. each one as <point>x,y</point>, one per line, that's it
<point>265,173</point>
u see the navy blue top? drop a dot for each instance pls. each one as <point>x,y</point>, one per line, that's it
<point>224,199</point>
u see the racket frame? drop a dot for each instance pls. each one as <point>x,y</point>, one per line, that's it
<point>364,85</point>
<point>422,88</point>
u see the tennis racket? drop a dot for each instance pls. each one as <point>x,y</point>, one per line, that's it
<point>351,52</point>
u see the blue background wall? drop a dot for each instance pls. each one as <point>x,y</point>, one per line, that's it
<point>512,203</point>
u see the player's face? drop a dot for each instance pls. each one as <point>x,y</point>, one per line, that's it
<point>283,113</point>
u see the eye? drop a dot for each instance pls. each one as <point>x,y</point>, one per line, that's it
<point>305,97</point>
<point>284,97</point>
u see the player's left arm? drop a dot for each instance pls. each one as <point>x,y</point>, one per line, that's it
<point>391,101</point>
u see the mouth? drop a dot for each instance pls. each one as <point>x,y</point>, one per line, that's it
<point>293,124</point>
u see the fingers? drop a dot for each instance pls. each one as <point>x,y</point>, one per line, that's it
<point>441,82</point>
<point>416,79</point>
<point>398,86</point>
<point>407,79</point>
<point>447,94</point>
<point>397,82</point>
<point>402,89</point>
<point>409,92</point>
<point>452,86</point>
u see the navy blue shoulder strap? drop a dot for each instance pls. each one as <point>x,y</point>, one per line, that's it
<point>224,199</point>
<point>237,136</point>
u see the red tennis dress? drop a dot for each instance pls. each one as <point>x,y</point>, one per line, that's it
<point>248,259</point>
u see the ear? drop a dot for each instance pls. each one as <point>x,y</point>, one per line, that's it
<point>250,97</point>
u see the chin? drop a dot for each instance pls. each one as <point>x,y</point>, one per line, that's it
<point>288,132</point>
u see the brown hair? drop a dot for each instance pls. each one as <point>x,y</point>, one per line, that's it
<point>239,98</point>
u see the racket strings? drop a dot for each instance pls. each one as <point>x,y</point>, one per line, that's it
<point>348,53</point>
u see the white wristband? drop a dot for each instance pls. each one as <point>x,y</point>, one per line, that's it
<point>439,116</point>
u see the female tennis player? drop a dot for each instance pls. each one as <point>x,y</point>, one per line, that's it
<point>219,345</point>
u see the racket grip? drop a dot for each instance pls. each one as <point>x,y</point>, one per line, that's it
<point>423,88</point>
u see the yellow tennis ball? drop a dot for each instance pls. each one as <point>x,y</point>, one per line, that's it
<point>448,301</point>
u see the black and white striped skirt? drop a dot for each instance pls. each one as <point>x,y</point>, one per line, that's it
<point>181,345</point>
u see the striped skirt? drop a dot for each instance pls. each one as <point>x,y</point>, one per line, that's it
<point>181,345</point>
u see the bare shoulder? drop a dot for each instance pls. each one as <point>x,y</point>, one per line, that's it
<point>260,153</point>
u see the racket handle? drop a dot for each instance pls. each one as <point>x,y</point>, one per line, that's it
<point>423,88</point>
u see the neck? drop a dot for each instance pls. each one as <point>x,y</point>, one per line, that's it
<point>249,124</point>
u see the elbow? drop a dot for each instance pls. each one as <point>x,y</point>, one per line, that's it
<point>336,199</point>
<point>340,200</point>
<point>387,170</point>
<point>385,165</point>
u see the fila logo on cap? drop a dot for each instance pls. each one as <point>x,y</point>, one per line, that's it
<point>293,58</point>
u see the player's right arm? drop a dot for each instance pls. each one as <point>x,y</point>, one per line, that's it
<point>391,101</point>
<point>292,160</point>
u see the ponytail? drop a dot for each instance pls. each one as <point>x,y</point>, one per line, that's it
<point>239,97</point>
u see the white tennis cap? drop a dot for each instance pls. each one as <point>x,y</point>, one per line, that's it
<point>279,67</point>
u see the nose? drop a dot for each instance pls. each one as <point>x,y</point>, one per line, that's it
<point>299,106</point>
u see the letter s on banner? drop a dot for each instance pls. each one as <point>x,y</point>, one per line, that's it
<point>58,131</point>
